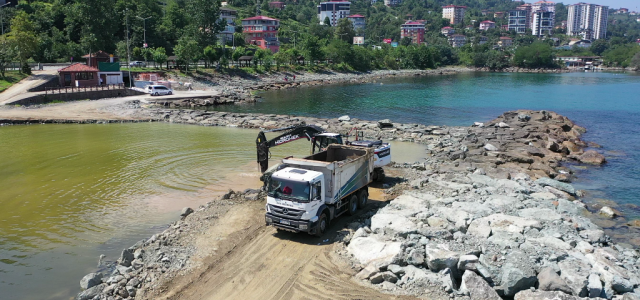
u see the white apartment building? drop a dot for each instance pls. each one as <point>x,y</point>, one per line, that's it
<point>542,23</point>
<point>588,21</point>
<point>229,15</point>
<point>454,13</point>
<point>547,6</point>
<point>334,10</point>
<point>392,2</point>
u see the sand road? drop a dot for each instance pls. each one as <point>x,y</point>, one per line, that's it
<point>257,262</point>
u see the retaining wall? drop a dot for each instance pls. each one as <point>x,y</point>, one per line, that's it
<point>90,95</point>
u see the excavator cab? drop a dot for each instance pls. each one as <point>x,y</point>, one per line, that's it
<point>321,141</point>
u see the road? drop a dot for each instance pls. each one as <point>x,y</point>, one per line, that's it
<point>22,87</point>
<point>257,262</point>
<point>104,109</point>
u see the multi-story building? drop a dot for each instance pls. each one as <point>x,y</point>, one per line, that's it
<point>358,21</point>
<point>334,10</point>
<point>457,40</point>
<point>482,40</point>
<point>413,30</point>
<point>498,15</point>
<point>262,31</point>
<point>486,25</point>
<point>542,23</point>
<point>547,6</point>
<point>505,42</point>
<point>447,30</point>
<point>229,15</point>
<point>588,21</point>
<point>518,21</point>
<point>392,2</point>
<point>454,13</point>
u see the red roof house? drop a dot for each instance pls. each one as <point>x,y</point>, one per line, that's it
<point>79,75</point>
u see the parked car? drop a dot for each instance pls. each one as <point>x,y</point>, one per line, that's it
<point>157,90</point>
<point>137,63</point>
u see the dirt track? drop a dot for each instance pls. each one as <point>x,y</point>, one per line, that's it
<point>257,262</point>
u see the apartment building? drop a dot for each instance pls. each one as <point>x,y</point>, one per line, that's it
<point>229,15</point>
<point>457,40</point>
<point>262,31</point>
<point>414,30</point>
<point>454,13</point>
<point>358,21</point>
<point>392,2</point>
<point>542,23</point>
<point>518,21</point>
<point>547,6</point>
<point>588,21</point>
<point>334,10</point>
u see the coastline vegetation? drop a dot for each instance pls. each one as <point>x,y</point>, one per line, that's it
<point>64,30</point>
<point>10,78</point>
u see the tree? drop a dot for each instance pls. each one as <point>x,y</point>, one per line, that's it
<point>211,54</point>
<point>406,41</point>
<point>205,20</point>
<point>239,52</point>
<point>635,62</point>
<point>537,55</point>
<point>160,56</point>
<point>188,50</point>
<point>326,21</point>
<point>313,49</point>
<point>22,37</point>
<point>599,46</point>
<point>344,30</point>
<point>6,55</point>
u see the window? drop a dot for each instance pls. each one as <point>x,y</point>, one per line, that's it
<point>84,76</point>
<point>289,190</point>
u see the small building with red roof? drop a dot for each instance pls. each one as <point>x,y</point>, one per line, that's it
<point>262,31</point>
<point>358,22</point>
<point>277,5</point>
<point>447,31</point>
<point>79,75</point>
<point>486,25</point>
<point>505,41</point>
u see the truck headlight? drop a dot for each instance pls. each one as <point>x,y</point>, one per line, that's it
<point>303,227</point>
<point>268,220</point>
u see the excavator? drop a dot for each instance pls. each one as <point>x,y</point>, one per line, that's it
<point>320,140</point>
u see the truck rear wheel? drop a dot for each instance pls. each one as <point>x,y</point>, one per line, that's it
<point>353,205</point>
<point>321,228</point>
<point>363,198</point>
<point>379,177</point>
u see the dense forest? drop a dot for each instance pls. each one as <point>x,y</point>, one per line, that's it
<point>57,30</point>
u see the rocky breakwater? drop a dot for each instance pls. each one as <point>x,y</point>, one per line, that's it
<point>473,222</point>
<point>142,269</point>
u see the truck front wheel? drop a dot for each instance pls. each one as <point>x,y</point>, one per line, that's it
<point>321,228</point>
<point>353,205</point>
<point>363,198</point>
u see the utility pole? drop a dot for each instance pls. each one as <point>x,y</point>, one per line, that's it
<point>144,24</point>
<point>2,15</point>
<point>126,12</point>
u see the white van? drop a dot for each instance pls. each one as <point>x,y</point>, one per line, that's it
<point>157,90</point>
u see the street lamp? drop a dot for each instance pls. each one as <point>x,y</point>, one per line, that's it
<point>126,13</point>
<point>144,24</point>
<point>2,16</point>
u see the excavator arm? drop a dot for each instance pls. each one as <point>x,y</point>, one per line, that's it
<point>292,133</point>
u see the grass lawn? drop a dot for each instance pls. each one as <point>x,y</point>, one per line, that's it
<point>10,78</point>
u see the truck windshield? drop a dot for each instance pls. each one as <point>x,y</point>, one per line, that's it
<point>289,190</point>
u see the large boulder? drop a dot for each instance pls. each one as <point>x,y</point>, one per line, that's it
<point>369,249</point>
<point>90,293</point>
<point>392,222</point>
<point>477,288</point>
<point>517,274</point>
<point>575,274</point>
<point>565,187</point>
<point>549,280</point>
<point>592,157</point>
<point>90,280</point>
<point>440,259</point>
<point>544,295</point>
<point>594,286</point>
<point>126,257</point>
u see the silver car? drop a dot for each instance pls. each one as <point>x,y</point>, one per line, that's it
<point>157,90</point>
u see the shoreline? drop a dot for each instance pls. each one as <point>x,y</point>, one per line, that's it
<point>453,151</point>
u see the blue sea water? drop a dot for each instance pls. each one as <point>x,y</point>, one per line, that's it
<point>607,104</point>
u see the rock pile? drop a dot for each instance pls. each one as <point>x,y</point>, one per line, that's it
<point>483,218</point>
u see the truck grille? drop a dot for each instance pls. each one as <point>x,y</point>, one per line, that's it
<point>286,212</point>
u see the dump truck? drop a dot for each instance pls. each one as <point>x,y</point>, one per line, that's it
<point>306,194</point>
